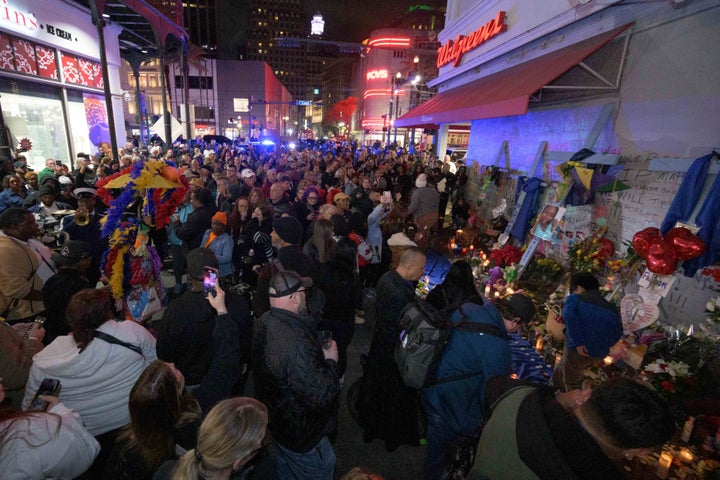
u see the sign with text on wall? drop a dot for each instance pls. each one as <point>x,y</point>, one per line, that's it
<point>241,105</point>
<point>452,51</point>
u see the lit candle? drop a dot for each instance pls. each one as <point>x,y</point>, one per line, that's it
<point>664,464</point>
<point>558,357</point>
<point>472,247</point>
<point>539,343</point>
<point>487,290</point>
<point>509,291</point>
<point>497,294</point>
<point>486,263</point>
<point>686,455</point>
<point>608,360</point>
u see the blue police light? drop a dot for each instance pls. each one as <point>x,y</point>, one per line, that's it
<point>267,142</point>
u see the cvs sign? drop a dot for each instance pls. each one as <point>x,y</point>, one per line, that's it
<point>376,74</point>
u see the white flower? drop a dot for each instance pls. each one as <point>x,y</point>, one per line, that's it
<point>656,367</point>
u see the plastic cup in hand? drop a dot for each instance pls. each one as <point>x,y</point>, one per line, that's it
<point>325,336</point>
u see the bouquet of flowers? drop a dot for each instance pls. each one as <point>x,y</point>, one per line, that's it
<point>668,378</point>
<point>589,255</point>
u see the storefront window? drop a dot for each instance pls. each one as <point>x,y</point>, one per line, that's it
<point>80,131</point>
<point>40,120</point>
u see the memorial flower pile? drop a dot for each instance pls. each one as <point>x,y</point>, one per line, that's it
<point>712,308</point>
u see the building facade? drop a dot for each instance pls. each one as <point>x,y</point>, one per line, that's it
<point>393,76</point>
<point>51,83</point>
<point>638,72</point>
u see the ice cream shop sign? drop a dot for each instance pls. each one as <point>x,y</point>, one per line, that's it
<point>17,17</point>
<point>453,50</point>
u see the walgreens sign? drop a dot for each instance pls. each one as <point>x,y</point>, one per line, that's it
<point>453,50</point>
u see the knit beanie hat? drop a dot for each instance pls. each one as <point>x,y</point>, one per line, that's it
<point>220,217</point>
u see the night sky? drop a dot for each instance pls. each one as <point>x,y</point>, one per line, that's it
<point>353,20</point>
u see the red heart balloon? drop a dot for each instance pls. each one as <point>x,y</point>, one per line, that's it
<point>643,239</point>
<point>686,245</point>
<point>661,258</point>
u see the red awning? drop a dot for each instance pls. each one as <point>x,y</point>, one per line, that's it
<point>504,93</point>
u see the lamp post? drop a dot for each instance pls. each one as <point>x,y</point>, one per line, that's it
<point>416,77</point>
<point>390,111</point>
<point>395,81</point>
<point>398,80</point>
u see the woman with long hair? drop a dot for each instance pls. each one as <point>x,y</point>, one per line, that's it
<point>44,444</point>
<point>458,287</point>
<point>256,198</point>
<point>321,245</point>
<point>254,244</point>
<point>306,210</point>
<point>234,432</point>
<point>342,288</point>
<point>164,417</point>
<point>239,216</point>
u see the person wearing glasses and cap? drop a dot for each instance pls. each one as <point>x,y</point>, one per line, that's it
<point>296,376</point>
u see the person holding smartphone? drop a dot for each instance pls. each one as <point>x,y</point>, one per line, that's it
<point>44,444</point>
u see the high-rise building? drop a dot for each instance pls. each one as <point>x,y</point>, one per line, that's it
<point>268,20</point>
<point>200,18</point>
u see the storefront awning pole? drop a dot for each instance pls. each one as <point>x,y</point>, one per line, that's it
<point>186,88</point>
<point>99,23</point>
<point>165,112</point>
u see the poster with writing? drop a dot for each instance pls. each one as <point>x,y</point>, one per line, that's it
<point>575,226</point>
<point>644,205</point>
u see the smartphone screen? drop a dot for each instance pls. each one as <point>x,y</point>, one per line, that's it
<point>49,386</point>
<point>210,275</point>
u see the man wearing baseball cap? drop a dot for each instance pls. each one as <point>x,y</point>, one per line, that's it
<point>296,377</point>
<point>249,181</point>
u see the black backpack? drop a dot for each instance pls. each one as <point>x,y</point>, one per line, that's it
<point>425,332</point>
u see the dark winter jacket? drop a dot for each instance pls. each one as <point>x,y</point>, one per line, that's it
<point>293,378</point>
<point>393,294</point>
<point>343,291</point>
<point>592,321</point>
<point>192,231</point>
<point>185,333</point>
<point>548,441</point>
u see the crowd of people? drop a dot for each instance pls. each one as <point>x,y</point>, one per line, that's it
<point>299,239</point>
